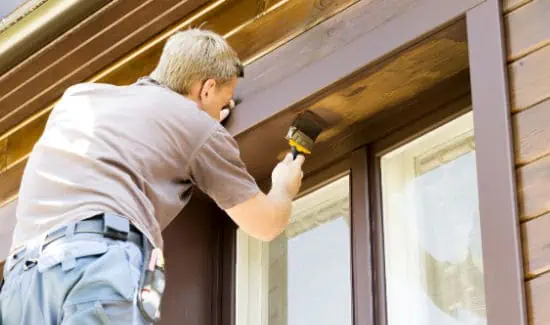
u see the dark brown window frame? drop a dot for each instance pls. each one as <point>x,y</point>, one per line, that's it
<point>504,286</point>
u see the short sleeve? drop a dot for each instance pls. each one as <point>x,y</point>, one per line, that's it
<point>218,170</point>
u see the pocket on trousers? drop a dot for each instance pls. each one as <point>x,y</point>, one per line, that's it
<point>108,277</point>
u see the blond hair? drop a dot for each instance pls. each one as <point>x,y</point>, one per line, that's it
<point>196,55</point>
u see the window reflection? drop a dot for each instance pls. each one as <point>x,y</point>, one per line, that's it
<point>303,276</point>
<point>433,259</point>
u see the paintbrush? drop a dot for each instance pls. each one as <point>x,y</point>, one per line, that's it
<point>303,133</point>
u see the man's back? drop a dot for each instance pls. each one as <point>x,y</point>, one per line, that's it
<point>109,148</point>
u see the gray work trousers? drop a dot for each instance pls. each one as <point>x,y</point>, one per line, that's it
<point>78,279</point>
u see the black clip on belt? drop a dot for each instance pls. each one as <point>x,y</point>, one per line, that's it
<point>106,224</point>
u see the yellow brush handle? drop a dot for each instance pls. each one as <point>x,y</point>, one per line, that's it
<point>298,147</point>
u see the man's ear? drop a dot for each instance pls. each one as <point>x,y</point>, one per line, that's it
<point>207,88</point>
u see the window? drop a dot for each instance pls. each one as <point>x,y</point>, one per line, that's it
<point>303,276</point>
<point>432,240</point>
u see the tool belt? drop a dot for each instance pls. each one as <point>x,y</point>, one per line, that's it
<point>152,280</point>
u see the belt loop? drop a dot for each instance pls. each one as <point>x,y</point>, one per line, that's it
<point>69,231</point>
<point>69,261</point>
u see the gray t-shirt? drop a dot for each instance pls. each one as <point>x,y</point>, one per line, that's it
<point>133,150</point>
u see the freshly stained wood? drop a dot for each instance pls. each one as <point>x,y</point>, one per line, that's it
<point>530,79</point>
<point>538,295</point>
<point>528,28</point>
<point>532,133</point>
<point>536,245</point>
<point>509,5</point>
<point>283,23</point>
<point>250,37</point>
<point>223,19</point>
<point>319,53</point>
<point>346,104</point>
<point>533,188</point>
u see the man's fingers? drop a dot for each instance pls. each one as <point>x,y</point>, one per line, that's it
<point>299,161</point>
<point>288,158</point>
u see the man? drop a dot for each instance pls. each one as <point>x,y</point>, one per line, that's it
<point>114,165</point>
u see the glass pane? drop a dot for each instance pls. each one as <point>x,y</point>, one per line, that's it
<point>303,276</point>
<point>433,259</point>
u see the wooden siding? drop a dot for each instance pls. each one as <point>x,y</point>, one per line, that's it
<point>528,39</point>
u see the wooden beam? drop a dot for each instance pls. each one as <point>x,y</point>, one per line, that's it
<point>496,181</point>
<point>334,50</point>
<point>527,29</point>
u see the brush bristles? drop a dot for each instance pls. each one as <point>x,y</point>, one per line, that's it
<point>307,123</point>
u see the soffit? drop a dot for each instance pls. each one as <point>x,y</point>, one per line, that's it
<point>440,60</point>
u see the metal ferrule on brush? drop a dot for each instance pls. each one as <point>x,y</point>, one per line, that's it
<point>297,138</point>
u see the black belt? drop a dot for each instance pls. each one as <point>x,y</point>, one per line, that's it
<point>106,224</point>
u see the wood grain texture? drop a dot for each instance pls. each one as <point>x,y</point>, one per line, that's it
<point>530,79</point>
<point>533,187</point>
<point>346,104</point>
<point>257,35</point>
<point>351,45</point>
<point>528,28</point>
<point>509,5</point>
<point>92,55</point>
<point>11,180</point>
<point>532,133</point>
<point>42,59</point>
<point>536,245</point>
<point>538,295</point>
<point>228,17</point>
<point>269,31</point>
<point>424,65</point>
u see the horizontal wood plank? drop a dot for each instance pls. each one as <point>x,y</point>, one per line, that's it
<point>260,34</point>
<point>536,245</point>
<point>250,37</point>
<point>533,182</point>
<point>530,79</point>
<point>528,28</point>
<point>509,5</point>
<point>538,295</point>
<point>532,133</point>
<point>92,54</point>
<point>268,32</point>
<point>223,19</point>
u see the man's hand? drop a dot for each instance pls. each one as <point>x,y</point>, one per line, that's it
<point>287,175</point>
<point>266,216</point>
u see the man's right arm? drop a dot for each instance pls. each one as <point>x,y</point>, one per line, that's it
<point>266,216</point>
